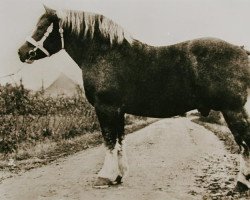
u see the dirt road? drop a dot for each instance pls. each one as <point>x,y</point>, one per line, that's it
<point>170,159</point>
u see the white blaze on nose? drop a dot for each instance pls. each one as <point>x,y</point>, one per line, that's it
<point>122,160</point>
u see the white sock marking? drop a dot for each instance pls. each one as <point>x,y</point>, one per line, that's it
<point>122,160</point>
<point>110,167</point>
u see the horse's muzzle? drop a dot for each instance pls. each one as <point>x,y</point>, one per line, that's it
<point>29,61</point>
<point>21,56</point>
<point>27,58</point>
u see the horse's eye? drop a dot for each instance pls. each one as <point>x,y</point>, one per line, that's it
<point>39,27</point>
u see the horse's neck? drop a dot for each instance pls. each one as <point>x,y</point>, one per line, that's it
<point>86,52</point>
<point>74,47</point>
<point>82,50</point>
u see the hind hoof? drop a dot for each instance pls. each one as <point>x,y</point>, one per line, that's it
<point>241,187</point>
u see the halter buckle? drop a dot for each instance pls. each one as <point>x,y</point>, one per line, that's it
<point>32,53</point>
<point>60,30</point>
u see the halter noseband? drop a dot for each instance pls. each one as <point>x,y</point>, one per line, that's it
<point>39,44</point>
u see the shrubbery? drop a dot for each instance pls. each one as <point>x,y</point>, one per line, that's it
<point>30,117</point>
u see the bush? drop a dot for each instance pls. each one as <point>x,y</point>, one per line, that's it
<point>31,117</point>
<point>14,99</point>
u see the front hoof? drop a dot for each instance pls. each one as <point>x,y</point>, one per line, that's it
<point>241,187</point>
<point>102,183</point>
<point>118,179</point>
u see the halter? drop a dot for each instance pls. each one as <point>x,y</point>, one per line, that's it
<point>39,44</point>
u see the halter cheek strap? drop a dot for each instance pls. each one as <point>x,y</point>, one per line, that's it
<point>37,45</point>
<point>61,35</point>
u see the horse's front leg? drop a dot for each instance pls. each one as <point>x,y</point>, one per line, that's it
<point>111,120</point>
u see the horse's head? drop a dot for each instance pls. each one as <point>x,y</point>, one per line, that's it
<point>46,40</point>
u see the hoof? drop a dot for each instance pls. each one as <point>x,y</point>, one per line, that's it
<point>102,183</point>
<point>240,187</point>
<point>118,179</point>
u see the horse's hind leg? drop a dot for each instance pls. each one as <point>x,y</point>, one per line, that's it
<point>239,124</point>
<point>111,120</point>
<point>122,156</point>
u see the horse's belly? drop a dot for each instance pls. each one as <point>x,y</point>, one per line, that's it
<point>160,107</point>
<point>157,114</point>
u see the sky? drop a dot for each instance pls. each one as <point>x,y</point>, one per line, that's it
<point>156,22</point>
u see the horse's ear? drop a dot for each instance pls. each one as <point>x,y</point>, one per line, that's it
<point>49,10</point>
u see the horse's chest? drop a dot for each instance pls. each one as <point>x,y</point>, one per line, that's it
<point>101,85</point>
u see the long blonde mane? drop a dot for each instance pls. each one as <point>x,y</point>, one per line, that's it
<point>85,22</point>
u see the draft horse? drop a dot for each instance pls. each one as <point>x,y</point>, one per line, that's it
<point>123,75</point>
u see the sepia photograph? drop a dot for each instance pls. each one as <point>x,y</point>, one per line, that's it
<point>125,100</point>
